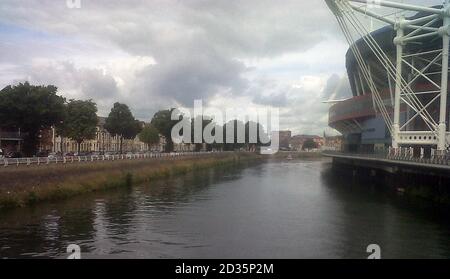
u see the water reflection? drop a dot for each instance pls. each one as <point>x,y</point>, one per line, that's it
<point>295,209</point>
<point>403,228</point>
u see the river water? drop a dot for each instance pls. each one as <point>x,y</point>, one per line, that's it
<point>283,209</point>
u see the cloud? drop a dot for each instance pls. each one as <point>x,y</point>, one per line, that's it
<point>268,92</point>
<point>164,53</point>
<point>337,88</point>
<point>278,99</point>
<point>251,27</point>
<point>73,82</point>
<point>98,85</point>
<point>190,75</point>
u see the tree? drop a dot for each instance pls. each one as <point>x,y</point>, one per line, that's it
<point>258,139</point>
<point>216,145</point>
<point>309,144</point>
<point>32,109</point>
<point>204,120</point>
<point>163,123</point>
<point>60,129</point>
<point>237,142</point>
<point>149,135</point>
<point>80,121</point>
<point>122,123</point>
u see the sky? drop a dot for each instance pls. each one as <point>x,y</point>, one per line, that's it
<point>158,54</point>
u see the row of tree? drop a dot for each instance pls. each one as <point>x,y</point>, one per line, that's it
<point>163,123</point>
<point>34,109</point>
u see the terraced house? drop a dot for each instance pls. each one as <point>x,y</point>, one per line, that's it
<point>103,142</point>
<point>10,139</point>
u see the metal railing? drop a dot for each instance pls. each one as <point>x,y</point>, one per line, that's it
<point>97,158</point>
<point>401,154</point>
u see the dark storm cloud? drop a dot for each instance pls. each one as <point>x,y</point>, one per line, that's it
<point>187,76</point>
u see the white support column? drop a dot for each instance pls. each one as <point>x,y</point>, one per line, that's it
<point>398,81</point>
<point>444,32</point>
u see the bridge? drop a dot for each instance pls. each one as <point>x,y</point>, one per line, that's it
<point>393,163</point>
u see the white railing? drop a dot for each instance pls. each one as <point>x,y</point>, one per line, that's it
<point>402,154</point>
<point>95,158</point>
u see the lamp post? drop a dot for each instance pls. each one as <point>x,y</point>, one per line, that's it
<point>61,143</point>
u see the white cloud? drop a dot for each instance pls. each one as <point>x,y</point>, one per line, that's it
<point>162,53</point>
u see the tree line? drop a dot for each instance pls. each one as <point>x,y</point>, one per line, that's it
<point>34,109</point>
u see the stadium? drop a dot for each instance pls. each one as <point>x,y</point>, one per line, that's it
<point>398,77</point>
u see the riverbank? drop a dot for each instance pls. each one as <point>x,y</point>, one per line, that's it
<point>297,155</point>
<point>22,187</point>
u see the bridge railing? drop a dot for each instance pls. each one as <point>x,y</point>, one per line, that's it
<point>401,154</point>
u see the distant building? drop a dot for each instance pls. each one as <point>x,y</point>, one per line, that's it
<point>297,141</point>
<point>46,140</point>
<point>49,141</point>
<point>183,147</point>
<point>284,139</point>
<point>333,143</point>
<point>10,139</point>
<point>103,142</point>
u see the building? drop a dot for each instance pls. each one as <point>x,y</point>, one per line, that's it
<point>45,143</point>
<point>358,118</point>
<point>297,141</point>
<point>103,142</point>
<point>399,92</point>
<point>183,147</point>
<point>10,139</point>
<point>284,139</point>
<point>332,143</point>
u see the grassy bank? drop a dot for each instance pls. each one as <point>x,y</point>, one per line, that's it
<point>30,185</point>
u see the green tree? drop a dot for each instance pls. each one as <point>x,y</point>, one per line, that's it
<point>234,144</point>
<point>80,121</point>
<point>163,123</point>
<point>60,129</point>
<point>32,109</point>
<point>149,135</point>
<point>122,123</point>
<point>204,120</point>
<point>258,139</point>
<point>309,144</point>
<point>216,145</point>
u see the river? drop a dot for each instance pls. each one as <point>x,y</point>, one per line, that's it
<point>282,209</point>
